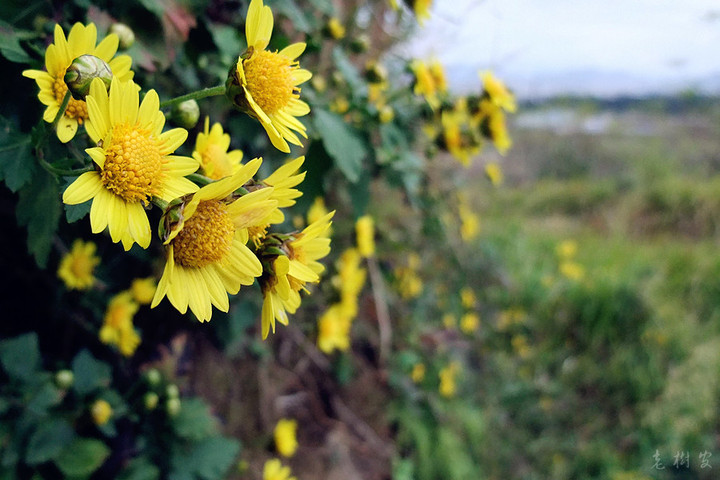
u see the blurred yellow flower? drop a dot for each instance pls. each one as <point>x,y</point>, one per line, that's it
<point>77,266</point>
<point>467,297</point>
<point>469,223</point>
<point>58,57</point>
<point>566,249</point>
<point>334,329</point>
<point>335,28</point>
<point>316,211</point>
<point>469,322</point>
<point>264,84</point>
<point>498,92</point>
<point>349,281</point>
<point>424,84</point>
<point>438,73</point>
<point>274,470</point>
<point>143,290</point>
<point>494,173</point>
<point>285,435</point>
<point>365,233</point>
<point>101,412</point>
<point>118,326</point>
<point>520,346</point>
<point>386,114</point>
<point>418,373</point>
<point>422,10</point>
<point>340,105</point>
<point>448,379</point>
<point>449,320</point>
<point>211,151</point>
<point>572,270</point>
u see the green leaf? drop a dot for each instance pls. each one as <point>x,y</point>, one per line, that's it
<point>208,460</point>
<point>140,469</point>
<point>73,213</point>
<point>16,161</point>
<point>90,373</point>
<point>227,40</point>
<point>48,440</point>
<point>82,457</point>
<point>39,209</point>
<point>46,396</point>
<point>342,143</point>
<point>349,72</point>
<point>10,44</point>
<point>299,19</point>
<point>324,6</point>
<point>20,356</point>
<point>194,420</point>
<point>157,8</point>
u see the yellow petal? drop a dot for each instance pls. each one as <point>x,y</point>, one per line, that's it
<point>171,140</point>
<point>97,154</point>
<point>85,187</point>
<point>100,211</point>
<point>258,25</point>
<point>138,224</point>
<point>66,128</point>
<point>293,51</point>
<point>148,109</point>
<point>107,48</point>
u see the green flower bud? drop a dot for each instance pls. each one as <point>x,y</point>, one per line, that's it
<point>360,44</point>
<point>172,391</point>
<point>64,379</point>
<point>125,35</point>
<point>151,400</point>
<point>186,114</point>
<point>375,72</point>
<point>172,406</point>
<point>153,377</point>
<point>81,73</point>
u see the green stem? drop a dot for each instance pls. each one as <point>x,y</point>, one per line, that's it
<point>159,202</point>
<point>63,172</point>
<point>206,92</point>
<point>63,106</point>
<point>197,178</point>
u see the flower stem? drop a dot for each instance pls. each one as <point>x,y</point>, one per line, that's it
<point>63,106</point>
<point>200,179</point>
<point>159,202</point>
<point>206,92</point>
<point>61,172</point>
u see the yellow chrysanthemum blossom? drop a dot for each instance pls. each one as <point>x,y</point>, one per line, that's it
<point>572,270</point>
<point>335,28</point>
<point>455,138</point>
<point>285,435</point>
<point>283,180</point>
<point>469,223</point>
<point>143,290</point>
<point>365,235</point>
<point>274,470</point>
<point>469,322</point>
<point>317,210</point>
<point>418,373</point>
<point>58,57</point>
<point>101,411</point>
<point>264,84</point>
<point>134,160</point>
<point>349,281</point>
<point>425,84</point>
<point>467,297</point>
<point>438,74</point>
<point>497,128</point>
<point>448,379</point>
<point>409,283</point>
<point>498,92</point>
<point>334,329</point>
<point>77,266</point>
<point>449,321</point>
<point>207,256</point>
<point>118,327</point>
<point>422,10</point>
<point>566,249</point>
<point>494,173</point>
<point>292,271</point>
<point>520,346</point>
<point>211,151</point>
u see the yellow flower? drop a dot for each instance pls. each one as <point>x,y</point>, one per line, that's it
<point>76,267</point>
<point>349,280</point>
<point>117,326</point>
<point>418,373</point>
<point>469,322</point>
<point>283,180</point>
<point>566,249</point>
<point>335,28</point>
<point>498,92</point>
<point>317,210</point>
<point>134,162</point>
<point>292,271</point>
<point>143,290</point>
<point>498,130</point>
<point>467,297</point>
<point>424,82</point>
<point>274,470</point>
<point>58,57</point>
<point>456,138</point>
<point>410,284</point>
<point>340,105</point>
<point>206,253</point>
<point>101,412</point>
<point>365,233</point>
<point>386,114</point>
<point>448,375</point>
<point>334,329</point>
<point>469,223</point>
<point>438,73</point>
<point>285,435</point>
<point>422,10</point>
<point>211,151</point>
<point>449,320</point>
<point>264,84</point>
<point>572,270</point>
<point>520,345</point>
<point>494,173</point>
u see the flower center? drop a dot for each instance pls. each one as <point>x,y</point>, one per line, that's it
<point>257,233</point>
<point>215,162</point>
<point>75,108</point>
<point>133,164</point>
<point>206,237</point>
<point>83,266</point>
<point>269,80</point>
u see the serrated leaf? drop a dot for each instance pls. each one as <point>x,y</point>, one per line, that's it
<point>341,142</point>
<point>90,373</point>
<point>140,469</point>
<point>73,213</point>
<point>16,162</point>
<point>194,420</point>
<point>208,460</point>
<point>82,457</point>
<point>48,440</point>
<point>39,209</point>
<point>10,44</point>
<point>20,356</point>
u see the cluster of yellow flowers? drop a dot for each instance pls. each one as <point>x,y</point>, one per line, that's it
<point>117,328</point>
<point>408,280</point>
<point>568,267</point>
<point>216,216</point>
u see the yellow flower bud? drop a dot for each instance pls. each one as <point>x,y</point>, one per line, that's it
<point>101,412</point>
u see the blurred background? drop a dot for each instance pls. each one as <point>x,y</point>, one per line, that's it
<point>540,297</point>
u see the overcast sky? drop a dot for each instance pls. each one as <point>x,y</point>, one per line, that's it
<point>600,46</point>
